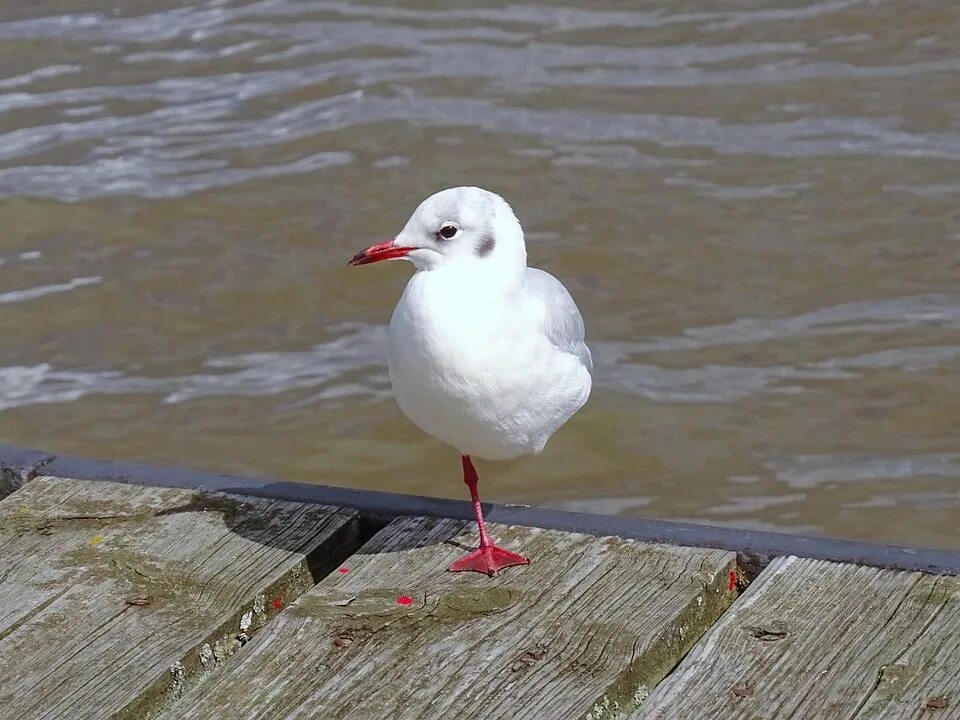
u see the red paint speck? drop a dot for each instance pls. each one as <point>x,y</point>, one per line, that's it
<point>343,571</point>
<point>732,584</point>
<point>57,548</point>
<point>277,603</point>
<point>404,600</point>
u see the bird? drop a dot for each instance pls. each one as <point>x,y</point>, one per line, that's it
<point>484,353</point>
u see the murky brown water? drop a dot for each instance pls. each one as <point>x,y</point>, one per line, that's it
<point>755,204</point>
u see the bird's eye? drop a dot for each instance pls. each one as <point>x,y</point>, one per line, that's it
<point>448,231</point>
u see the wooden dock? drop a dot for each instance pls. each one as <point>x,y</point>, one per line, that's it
<point>124,599</point>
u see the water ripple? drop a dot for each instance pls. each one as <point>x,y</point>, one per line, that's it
<point>328,365</point>
<point>385,63</point>
<point>39,291</point>
<point>862,316</point>
<point>808,471</point>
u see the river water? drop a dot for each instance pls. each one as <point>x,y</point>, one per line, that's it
<point>755,204</point>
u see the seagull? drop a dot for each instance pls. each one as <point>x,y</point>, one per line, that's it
<point>485,354</point>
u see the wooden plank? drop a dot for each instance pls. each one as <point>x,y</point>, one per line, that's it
<point>587,628</point>
<point>114,597</point>
<point>815,639</point>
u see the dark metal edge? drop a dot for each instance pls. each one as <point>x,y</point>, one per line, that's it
<point>17,465</point>
<point>380,507</point>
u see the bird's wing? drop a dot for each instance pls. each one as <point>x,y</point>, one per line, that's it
<point>562,322</point>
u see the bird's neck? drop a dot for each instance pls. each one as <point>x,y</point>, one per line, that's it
<point>500,275</point>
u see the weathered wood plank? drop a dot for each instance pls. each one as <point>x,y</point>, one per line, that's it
<point>113,597</point>
<point>584,631</point>
<point>814,639</point>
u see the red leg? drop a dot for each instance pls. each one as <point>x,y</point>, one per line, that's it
<point>488,558</point>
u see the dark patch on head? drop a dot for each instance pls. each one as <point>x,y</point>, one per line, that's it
<point>486,246</point>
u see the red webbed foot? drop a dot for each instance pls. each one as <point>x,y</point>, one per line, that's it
<point>489,560</point>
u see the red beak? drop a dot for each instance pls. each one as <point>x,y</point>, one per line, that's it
<point>376,253</point>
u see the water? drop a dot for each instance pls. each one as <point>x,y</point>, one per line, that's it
<point>755,204</point>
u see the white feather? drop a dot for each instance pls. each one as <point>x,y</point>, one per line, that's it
<point>485,354</point>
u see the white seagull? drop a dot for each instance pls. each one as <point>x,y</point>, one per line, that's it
<point>485,353</point>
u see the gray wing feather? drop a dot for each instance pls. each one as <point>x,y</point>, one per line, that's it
<point>563,323</point>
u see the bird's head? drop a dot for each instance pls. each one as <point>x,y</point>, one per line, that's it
<point>457,225</point>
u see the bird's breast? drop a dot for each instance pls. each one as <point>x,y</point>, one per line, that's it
<point>478,373</point>
<point>449,342</point>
